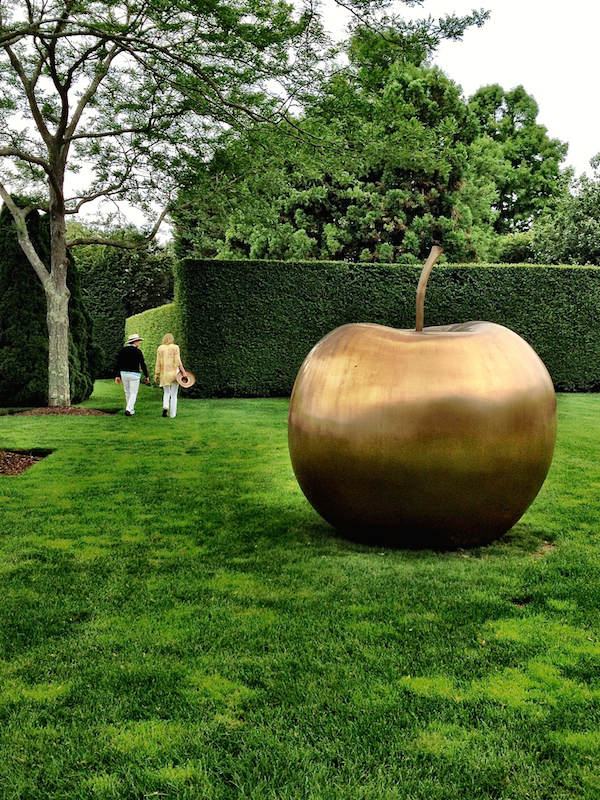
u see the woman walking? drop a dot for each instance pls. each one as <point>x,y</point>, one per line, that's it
<point>168,363</point>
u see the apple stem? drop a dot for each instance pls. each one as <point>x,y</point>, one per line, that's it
<point>435,253</point>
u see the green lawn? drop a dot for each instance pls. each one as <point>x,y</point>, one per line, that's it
<point>177,622</point>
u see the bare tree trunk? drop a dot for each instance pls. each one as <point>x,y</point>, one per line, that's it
<point>57,298</point>
<point>56,290</point>
<point>57,317</point>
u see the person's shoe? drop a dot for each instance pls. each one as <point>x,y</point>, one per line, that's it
<point>165,412</point>
<point>128,413</point>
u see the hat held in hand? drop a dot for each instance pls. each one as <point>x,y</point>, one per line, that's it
<point>186,382</point>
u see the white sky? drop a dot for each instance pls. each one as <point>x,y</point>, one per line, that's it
<point>550,48</point>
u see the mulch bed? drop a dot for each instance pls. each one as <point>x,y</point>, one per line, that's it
<point>16,462</point>
<point>12,463</point>
<point>63,410</point>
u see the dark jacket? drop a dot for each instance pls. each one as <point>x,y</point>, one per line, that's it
<point>131,359</point>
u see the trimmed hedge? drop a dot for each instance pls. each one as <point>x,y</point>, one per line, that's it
<point>249,324</point>
<point>120,282</point>
<point>103,298</point>
<point>152,326</point>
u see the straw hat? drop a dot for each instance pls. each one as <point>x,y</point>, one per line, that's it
<point>188,381</point>
<point>134,337</point>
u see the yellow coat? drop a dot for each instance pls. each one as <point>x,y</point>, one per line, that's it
<point>168,361</point>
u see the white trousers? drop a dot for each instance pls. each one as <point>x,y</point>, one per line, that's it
<point>131,384</point>
<point>170,398</point>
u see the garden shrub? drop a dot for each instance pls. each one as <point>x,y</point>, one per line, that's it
<point>248,325</point>
<point>23,327</point>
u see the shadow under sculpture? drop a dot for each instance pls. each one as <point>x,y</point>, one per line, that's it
<point>435,437</point>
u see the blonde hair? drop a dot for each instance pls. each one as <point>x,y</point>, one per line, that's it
<point>168,338</point>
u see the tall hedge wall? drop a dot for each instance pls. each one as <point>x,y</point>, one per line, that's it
<point>249,324</point>
<point>103,298</point>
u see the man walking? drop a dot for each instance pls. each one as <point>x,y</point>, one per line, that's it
<point>130,365</point>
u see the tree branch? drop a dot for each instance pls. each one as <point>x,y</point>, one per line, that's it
<point>29,94</point>
<point>143,242</point>
<point>13,152</point>
<point>91,91</point>
<point>20,218</point>
<point>147,128</point>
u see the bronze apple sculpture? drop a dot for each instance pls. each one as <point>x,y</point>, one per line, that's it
<point>434,437</point>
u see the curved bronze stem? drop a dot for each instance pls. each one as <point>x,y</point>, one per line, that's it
<point>435,253</point>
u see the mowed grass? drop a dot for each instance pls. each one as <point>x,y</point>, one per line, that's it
<point>177,622</point>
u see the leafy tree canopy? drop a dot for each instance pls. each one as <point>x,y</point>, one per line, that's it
<point>570,233</point>
<point>393,152</point>
<point>528,174</point>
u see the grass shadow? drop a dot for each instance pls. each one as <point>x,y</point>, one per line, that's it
<point>523,539</point>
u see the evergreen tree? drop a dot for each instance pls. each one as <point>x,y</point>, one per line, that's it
<point>528,174</point>
<point>23,325</point>
<point>570,232</point>
<point>388,166</point>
